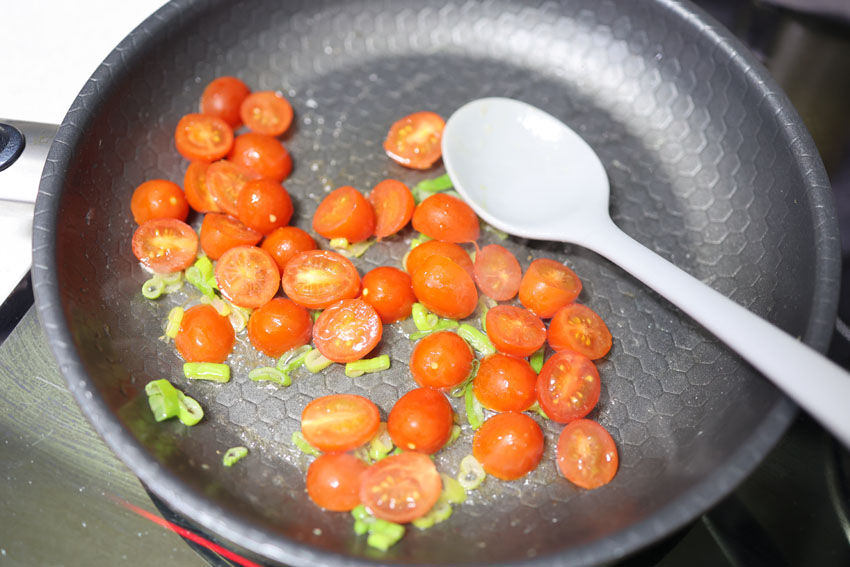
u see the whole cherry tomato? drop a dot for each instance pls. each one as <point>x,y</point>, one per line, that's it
<point>204,335</point>
<point>333,481</point>
<point>445,288</point>
<point>444,217</point>
<point>279,326</point>
<point>421,420</point>
<point>264,205</point>
<point>222,98</point>
<point>261,154</point>
<point>390,292</point>
<point>158,199</point>
<point>441,360</point>
<point>508,445</point>
<point>285,242</point>
<point>220,233</point>
<point>547,286</point>
<point>345,213</point>
<point>505,383</point>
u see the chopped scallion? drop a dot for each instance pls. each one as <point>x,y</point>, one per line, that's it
<point>474,410</point>
<point>205,267</point>
<point>352,250</point>
<point>500,234</point>
<point>172,326</point>
<point>364,365</point>
<point>194,277</point>
<point>212,371</point>
<point>471,473</point>
<point>173,282</point>
<point>381,443</point>
<point>442,325</point>
<point>535,407</point>
<point>424,319</point>
<point>153,288</point>
<point>453,436</point>
<point>461,388</point>
<point>536,360</point>
<point>382,534</point>
<point>315,361</point>
<point>234,455</point>
<point>441,512</point>
<point>453,491</point>
<point>190,411</point>
<point>428,187</point>
<point>162,399</point>
<point>420,239</point>
<point>302,444</point>
<point>479,341</point>
<point>269,374</point>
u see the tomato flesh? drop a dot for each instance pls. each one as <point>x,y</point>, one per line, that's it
<point>514,330</point>
<point>421,420</point>
<point>204,335</point>
<point>505,383</point>
<point>441,360</point>
<point>266,112</point>
<point>347,330</point>
<point>568,386</point>
<point>547,286</point>
<point>225,180</point>
<point>247,276</point>
<point>414,141</point>
<point>279,326</point>
<point>285,242</point>
<point>445,288</point>
<point>579,328</point>
<point>220,233</point>
<point>333,481</point>
<point>345,213</point>
<point>196,190</point>
<point>393,204</point>
<point>165,245</point>
<point>447,218</point>
<point>199,137</point>
<point>401,488</point>
<point>319,278</point>
<point>339,422</point>
<point>587,454</point>
<point>508,445</point>
<point>497,272</point>
<point>390,292</point>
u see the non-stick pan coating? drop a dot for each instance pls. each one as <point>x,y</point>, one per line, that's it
<point>709,166</point>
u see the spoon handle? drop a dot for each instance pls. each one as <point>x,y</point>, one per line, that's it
<point>818,385</point>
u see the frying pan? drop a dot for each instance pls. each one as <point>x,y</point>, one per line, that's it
<point>709,165</point>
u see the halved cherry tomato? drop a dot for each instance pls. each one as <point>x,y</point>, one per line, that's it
<point>401,488</point>
<point>497,272</point>
<point>262,154</point>
<point>447,218</point>
<point>247,276</point>
<point>508,445</point>
<point>547,286</point>
<point>421,420</point>
<point>505,383</point>
<point>264,205</point>
<point>414,141</point>
<point>203,138</point>
<point>333,481</point>
<point>204,335</point>
<point>393,204</point>
<point>196,190</point>
<point>279,326</point>
<point>165,245</point>
<point>450,250</point>
<point>587,454</point>
<point>339,422</point>
<point>347,330</point>
<point>285,242</point>
<point>345,213</point>
<point>390,292</point>
<point>514,330</point>
<point>568,386</point>
<point>222,98</point>
<point>158,199</point>
<point>220,233</point>
<point>441,360</point>
<point>225,180</point>
<point>319,278</point>
<point>266,112</point>
<point>445,288</point>
<point>577,327</point>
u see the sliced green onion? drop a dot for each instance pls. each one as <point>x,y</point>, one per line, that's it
<point>453,436</point>
<point>536,360</point>
<point>471,473</point>
<point>221,306</point>
<point>162,399</point>
<point>153,287</point>
<point>442,325</point>
<point>535,407</point>
<point>441,512</point>
<point>390,529</point>
<point>205,267</point>
<point>453,491</point>
<point>194,277</point>
<point>269,374</point>
<point>424,319</point>
<point>479,341</point>
<point>428,187</point>
<point>360,513</point>
<point>173,282</point>
<point>381,443</point>
<point>420,239</point>
<point>362,453</point>
<point>314,314</point>
<point>364,365</point>
<point>352,250</point>
<point>474,409</point>
<point>315,361</point>
<point>293,359</point>
<point>461,388</point>
<point>339,243</point>
<point>500,234</point>
<point>361,527</point>
<point>212,371</point>
<point>190,411</point>
<point>302,444</point>
<point>234,455</point>
<point>172,325</point>
<point>485,303</point>
<point>238,317</point>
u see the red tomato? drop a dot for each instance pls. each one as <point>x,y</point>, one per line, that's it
<point>285,242</point>
<point>225,180</point>
<point>279,326</point>
<point>333,481</point>
<point>165,245</point>
<point>450,250</point>
<point>347,330</point>
<point>401,488</point>
<point>587,455</point>
<point>514,330</point>
<point>578,327</point>
<point>339,422</point>
<point>220,233</point>
<point>318,278</point>
<point>508,445</point>
<point>266,112</point>
<point>345,213</point>
<point>441,360</point>
<point>247,276</point>
<point>204,335</point>
<point>203,138</point>
<point>568,386</point>
<point>547,286</point>
<point>261,154</point>
<point>447,218</point>
<point>414,141</point>
<point>222,98</point>
<point>196,190</point>
<point>421,420</point>
<point>390,292</point>
<point>158,199</point>
<point>497,272</point>
<point>264,205</point>
<point>505,383</point>
<point>445,288</point>
<point>393,204</point>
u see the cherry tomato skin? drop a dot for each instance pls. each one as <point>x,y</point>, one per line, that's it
<point>285,242</point>
<point>587,454</point>
<point>547,286</point>
<point>447,218</point>
<point>158,199</point>
<point>390,292</point>
<point>508,445</point>
<point>317,279</point>
<point>266,112</point>
<point>204,335</point>
<point>579,328</point>
<point>261,154</point>
<point>345,213</point>
<point>450,250</point>
<point>347,330</point>
<point>339,422</point>
<point>220,233</point>
<point>165,246</point>
<point>415,140</point>
<point>247,276</point>
<point>225,180</point>
<point>401,488</point>
<point>568,386</point>
<point>393,204</point>
<point>497,272</point>
<point>264,205</point>
<point>279,326</point>
<point>514,330</point>
<point>505,383</point>
<point>445,288</point>
<point>441,360</point>
<point>203,138</point>
<point>222,98</point>
<point>421,420</point>
<point>333,481</point>
<point>196,190</point>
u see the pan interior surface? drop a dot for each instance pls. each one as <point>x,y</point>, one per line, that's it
<point>701,171</point>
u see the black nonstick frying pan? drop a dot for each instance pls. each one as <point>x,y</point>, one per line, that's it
<point>709,165</point>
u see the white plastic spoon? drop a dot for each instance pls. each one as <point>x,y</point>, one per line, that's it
<point>507,157</point>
